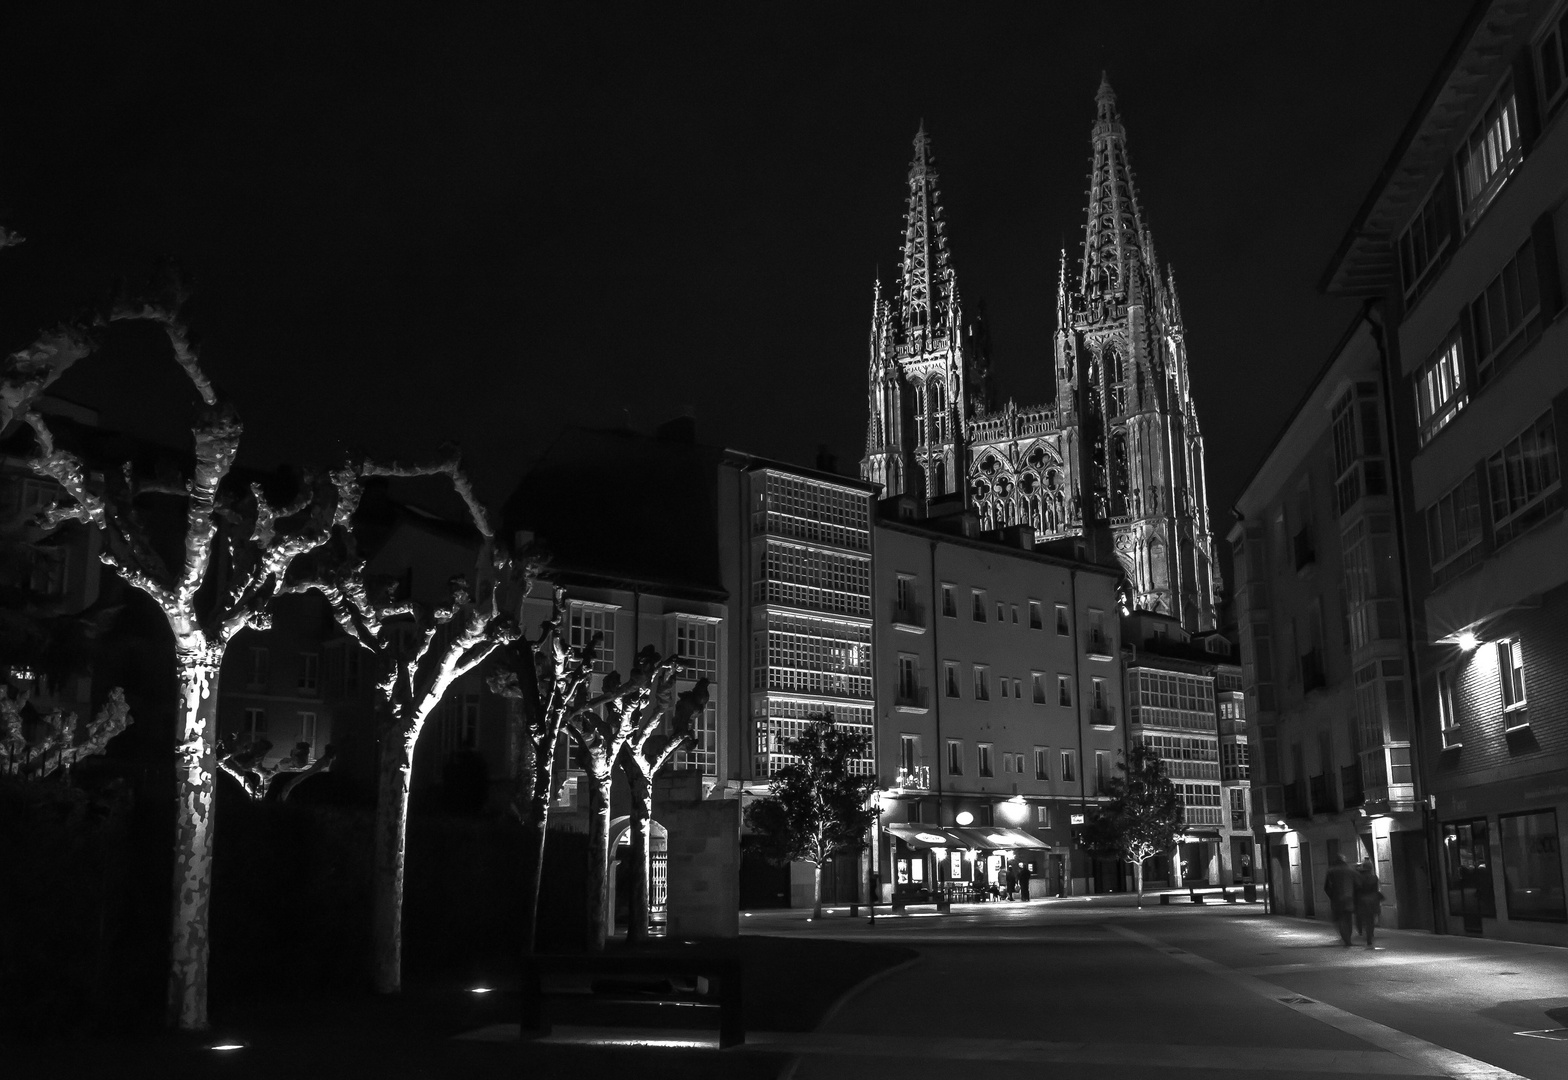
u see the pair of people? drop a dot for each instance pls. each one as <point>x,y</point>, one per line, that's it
<point>1354,897</point>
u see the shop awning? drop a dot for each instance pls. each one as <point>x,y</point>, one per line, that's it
<point>999,839</point>
<point>927,836</point>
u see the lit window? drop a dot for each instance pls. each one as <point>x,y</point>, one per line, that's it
<point>1524,480</point>
<point>1440,389</point>
<point>1489,154</point>
<point>1447,718</point>
<point>1510,670</point>
<point>983,756</point>
<point>1043,815</point>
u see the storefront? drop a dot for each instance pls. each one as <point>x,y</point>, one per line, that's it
<point>1502,867</point>
<point>963,865</point>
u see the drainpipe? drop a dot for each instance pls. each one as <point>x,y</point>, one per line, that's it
<point>1083,801</point>
<point>1417,728</point>
<point>942,903</point>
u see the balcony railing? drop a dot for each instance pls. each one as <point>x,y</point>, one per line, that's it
<point>1099,644</point>
<point>909,615</point>
<point>913,697</point>
<point>1103,719</point>
<point>917,777</point>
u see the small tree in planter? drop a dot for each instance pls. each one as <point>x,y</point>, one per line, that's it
<point>816,808</point>
<point>1143,817</point>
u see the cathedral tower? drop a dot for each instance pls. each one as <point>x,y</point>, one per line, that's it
<point>924,378</point>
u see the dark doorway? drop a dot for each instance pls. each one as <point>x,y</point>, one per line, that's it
<point>763,882</point>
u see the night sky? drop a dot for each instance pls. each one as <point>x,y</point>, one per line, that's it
<point>410,223</point>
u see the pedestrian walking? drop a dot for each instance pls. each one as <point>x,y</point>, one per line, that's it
<point>1340,886</point>
<point>1369,900</point>
<point>1023,881</point>
<point>1012,882</point>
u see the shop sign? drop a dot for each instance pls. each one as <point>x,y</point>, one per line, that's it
<point>1075,819</point>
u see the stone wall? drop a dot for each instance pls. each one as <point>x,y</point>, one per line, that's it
<point>704,851</point>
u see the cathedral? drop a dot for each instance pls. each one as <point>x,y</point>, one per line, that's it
<point>1118,455</point>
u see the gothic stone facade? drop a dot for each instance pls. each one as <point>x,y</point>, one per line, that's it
<point>1118,452</point>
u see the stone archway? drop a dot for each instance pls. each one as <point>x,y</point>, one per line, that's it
<point>658,883</point>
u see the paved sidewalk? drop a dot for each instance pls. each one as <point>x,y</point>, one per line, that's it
<point>1102,990</point>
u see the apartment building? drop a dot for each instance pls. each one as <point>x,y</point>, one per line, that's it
<point>1458,245</point>
<point>1325,648</point>
<point>998,705</point>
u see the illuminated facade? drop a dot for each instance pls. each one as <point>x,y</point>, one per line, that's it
<point>1459,244</point>
<point>1120,449</point>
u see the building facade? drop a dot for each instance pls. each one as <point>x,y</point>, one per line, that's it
<point>1458,245</point>
<point>999,707</point>
<point>1120,449</point>
<point>1325,647</point>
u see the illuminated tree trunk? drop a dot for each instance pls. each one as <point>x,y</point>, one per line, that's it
<point>391,832</point>
<point>641,835</point>
<point>816,890</point>
<point>598,861</point>
<point>1137,877</point>
<point>196,768</point>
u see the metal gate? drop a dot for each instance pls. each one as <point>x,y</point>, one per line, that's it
<point>658,892</point>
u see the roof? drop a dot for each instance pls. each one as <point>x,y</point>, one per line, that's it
<point>1365,263</point>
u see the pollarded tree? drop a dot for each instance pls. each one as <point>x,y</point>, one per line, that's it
<point>246,761</point>
<point>418,653</point>
<point>663,725</point>
<point>817,807</point>
<point>59,748</point>
<point>1143,817</point>
<point>236,549</point>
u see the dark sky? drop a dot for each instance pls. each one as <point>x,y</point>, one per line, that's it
<point>409,223</point>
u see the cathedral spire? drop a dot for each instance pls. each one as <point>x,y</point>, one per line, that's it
<point>925,288</point>
<point>1113,256</point>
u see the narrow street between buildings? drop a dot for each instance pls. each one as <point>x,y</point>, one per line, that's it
<point>1097,988</point>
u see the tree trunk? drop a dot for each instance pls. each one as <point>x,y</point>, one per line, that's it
<point>1137,877</point>
<point>816,890</point>
<point>598,861</point>
<point>535,829</point>
<point>641,836</point>
<point>196,766</point>
<point>391,833</point>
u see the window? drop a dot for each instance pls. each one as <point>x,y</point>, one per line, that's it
<point>1233,761</point>
<point>1004,683</point>
<point>1069,766</point>
<point>977,611</point>
<point>908,679</point>
<point>1037,683</point>
<point>589,621</point>
<point>697,642</point>
<point>1102,770</point>
<point>1064,690</point>
<point>955,758</point>
<point>908,754</point>
<point>904,593</point>
<point>1453,523</point>
<point>460,723</point>
<point>982,676</point>
<point>1042,815</point>
<point>1015,763</point>
<point>1552,62</point>
<point>1015,614</point>
<point>1510,671</point>
<point>949,603</point>
<point>1422,243</point>
<point>1524,481</point>
<point>1469,865</point>
<point>1062,627</point>
<point>1358,446</point>
<point>983,757</point>
<point>1099,699</point>
<point>307,731</point>
<point>1532,866</point>
<point>1097,639</point>
<point>1489,154</point>
<point>1036,619</point>
<point>1042,763</point>
<point>1001,612</point>
<point>1018,689</point>
<point>255,722</point>
<point>309,672</point>
<point>1440,388</point>
<point>1447,719</point>
<point>1505,318</point>
<point>950,677</point>
<point>260,667</point>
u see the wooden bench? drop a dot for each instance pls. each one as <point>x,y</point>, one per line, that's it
<point>650,978</point>
<point>1230,894</point>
